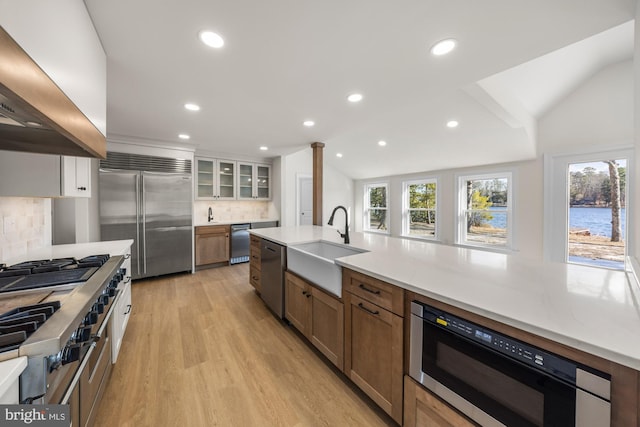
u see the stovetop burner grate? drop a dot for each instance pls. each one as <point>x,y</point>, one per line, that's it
<point>18,324</point>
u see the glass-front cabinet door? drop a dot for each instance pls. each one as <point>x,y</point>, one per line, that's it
<point>215,179</point>
<point>263,183</point>
<point>226,180</point>
<point>245,181</point>
<point>204,179</point>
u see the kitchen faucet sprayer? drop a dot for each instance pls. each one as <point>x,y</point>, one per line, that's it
<point>345,236</point>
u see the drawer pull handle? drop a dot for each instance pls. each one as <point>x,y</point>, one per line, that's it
<point>368,310</point>
<point>364,288</point>
<point>304,292</point>
<point>128,309</point>
<point>254,277</point>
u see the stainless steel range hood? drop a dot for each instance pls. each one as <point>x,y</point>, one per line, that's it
<point>35,115</point>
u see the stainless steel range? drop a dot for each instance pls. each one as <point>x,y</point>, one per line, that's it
<point>66,341</point>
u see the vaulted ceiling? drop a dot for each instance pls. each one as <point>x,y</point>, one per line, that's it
<point>287,61</point>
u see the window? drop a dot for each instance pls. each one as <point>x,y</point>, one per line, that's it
<point>419,219</point>
<point>376,212</point>
<point>585,207</point>
<point>485,210</point>
<point>597,217</point>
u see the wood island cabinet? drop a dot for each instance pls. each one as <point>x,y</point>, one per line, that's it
<point>374,339</point>
<point>254,262</point>
<point>212,244</point>
<point>317,315</point>
<point>423,409</point>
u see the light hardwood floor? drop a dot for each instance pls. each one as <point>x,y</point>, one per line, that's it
<point>203,350</point>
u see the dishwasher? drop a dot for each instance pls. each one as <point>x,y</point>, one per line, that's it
<point>239,243</point>
<point>273,260</point>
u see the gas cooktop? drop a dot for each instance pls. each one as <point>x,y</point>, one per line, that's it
<point>45,273</point>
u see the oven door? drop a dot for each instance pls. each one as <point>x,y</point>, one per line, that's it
<point>491,388</point>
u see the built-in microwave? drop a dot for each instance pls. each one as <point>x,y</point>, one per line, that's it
<point>497,380</point>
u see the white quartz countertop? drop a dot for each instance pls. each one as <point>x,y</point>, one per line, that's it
<point>10,370</point>
<point>591,309</point>
<point>77,250</point>
<point>242,221</point>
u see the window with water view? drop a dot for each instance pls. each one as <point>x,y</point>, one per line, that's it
<point>597,213</point>
<point>485,205</point>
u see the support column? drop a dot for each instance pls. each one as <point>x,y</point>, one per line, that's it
<point>317,182</point>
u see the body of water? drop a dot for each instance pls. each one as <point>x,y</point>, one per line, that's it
<point>596,220</point>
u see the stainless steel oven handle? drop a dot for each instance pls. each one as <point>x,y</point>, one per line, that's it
<point>112,308</point>
<point>78,374</point>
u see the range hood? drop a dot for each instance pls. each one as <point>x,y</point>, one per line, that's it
<point>35,115</point>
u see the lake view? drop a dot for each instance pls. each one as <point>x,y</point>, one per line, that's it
<point>596,220</point>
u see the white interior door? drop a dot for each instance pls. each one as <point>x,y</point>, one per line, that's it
<point>305,200</point>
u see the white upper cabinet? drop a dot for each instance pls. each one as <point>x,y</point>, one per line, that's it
<point>215,179</point>
<point>60,37</point>
<point>254,181</point>
<point>44,175</point>
<point>76,176</point>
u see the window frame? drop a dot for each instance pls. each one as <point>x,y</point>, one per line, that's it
<point>406,209</point>
<point>556,197</point>
<point>366,221</point>
<point>461,209</point>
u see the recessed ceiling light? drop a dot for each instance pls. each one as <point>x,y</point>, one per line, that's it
<point>338,154</point>
<point>452,124</point>
<point>355,97</point>
<point>192,107</point>
<point>308,123</point>
<point>211,39</point>
<point>382,143</point>
<point>183,136</point>
<point>263,148</point>
<point>443,47</point>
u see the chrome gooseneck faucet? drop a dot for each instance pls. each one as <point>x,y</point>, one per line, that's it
<point>210,217</point>
<point>345,236</point>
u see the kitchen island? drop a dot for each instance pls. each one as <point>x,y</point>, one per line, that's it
<point>579,311</point>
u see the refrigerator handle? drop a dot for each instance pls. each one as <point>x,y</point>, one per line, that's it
<point>144,227</point>
<point>138,222</point>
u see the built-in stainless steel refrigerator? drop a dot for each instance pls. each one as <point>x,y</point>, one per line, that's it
<point>148,199</point>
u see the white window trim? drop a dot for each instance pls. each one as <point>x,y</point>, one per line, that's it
<point>365,220</point>
<point>405,208</point>
<point>556,207</point>
<point>461,207</point>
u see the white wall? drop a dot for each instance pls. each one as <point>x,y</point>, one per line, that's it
<point>636,120</point>
<point>598,115</point>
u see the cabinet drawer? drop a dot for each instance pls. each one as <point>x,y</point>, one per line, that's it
<point>254,278</point>
<point>382,294</point>
<point>254,257</point>
<point>255,241</point>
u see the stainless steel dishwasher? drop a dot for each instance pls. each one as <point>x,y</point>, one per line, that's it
<point>273,261</point>
<point>239,243</point>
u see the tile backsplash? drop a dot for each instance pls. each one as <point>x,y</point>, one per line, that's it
<point>224,211</point>
<point>25,224</point>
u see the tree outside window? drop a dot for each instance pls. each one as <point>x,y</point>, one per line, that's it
<point>376,212</point>
<point>420,209</point>
<point>485,204</point>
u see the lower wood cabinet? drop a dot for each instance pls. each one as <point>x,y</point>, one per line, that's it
<point>423,409</point>
<point>374,341</point>
<point>317,315</point>
<point>255,265</point>
<point>212,244</point>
